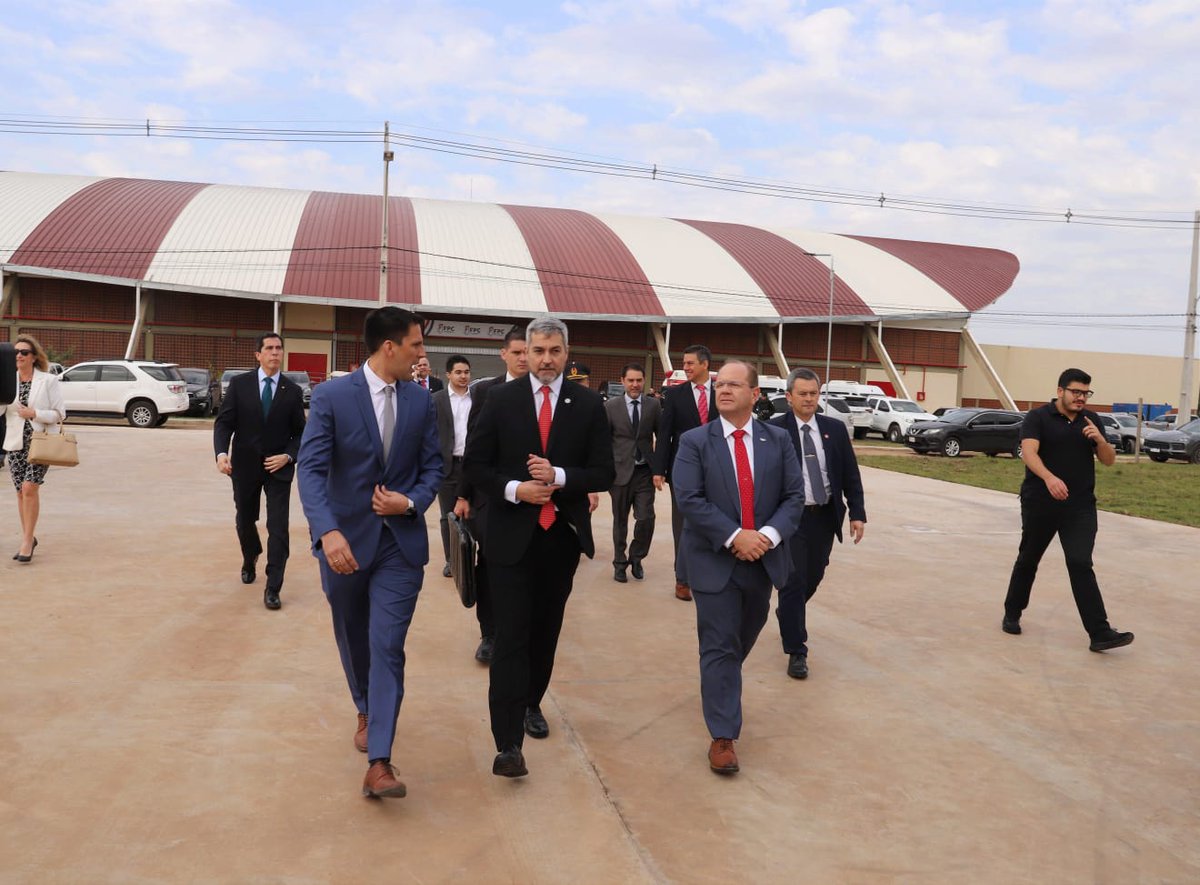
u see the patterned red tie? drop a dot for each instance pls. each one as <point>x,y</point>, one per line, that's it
<point>745,479</point>
<point>702,403</point>
<point>545,415</point>
<point>424,383</point>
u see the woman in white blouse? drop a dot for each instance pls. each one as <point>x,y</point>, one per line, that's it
<point>38,407</point>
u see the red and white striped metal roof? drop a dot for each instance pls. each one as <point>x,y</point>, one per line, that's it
<point>459,257</point>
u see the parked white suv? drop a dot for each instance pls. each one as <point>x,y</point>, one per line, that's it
<point>891,417</point>
<point>144,392</point>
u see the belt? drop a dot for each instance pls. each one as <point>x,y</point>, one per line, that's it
<point>817,506</point>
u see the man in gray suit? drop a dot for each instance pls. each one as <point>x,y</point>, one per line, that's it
<point>633,423</point>
<point>738,482</point>
<point>453,406</point>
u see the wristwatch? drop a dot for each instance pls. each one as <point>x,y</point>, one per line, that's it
<point>412,510</point>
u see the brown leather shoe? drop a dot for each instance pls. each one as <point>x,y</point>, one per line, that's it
<point>381,783</point>
<point>683,591</point>
<point>721,757</point>
<point>360,736</point>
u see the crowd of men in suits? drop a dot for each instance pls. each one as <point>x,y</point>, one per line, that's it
<point>522,458</point>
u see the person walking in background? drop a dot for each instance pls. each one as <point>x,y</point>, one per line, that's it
<point>453,407</point>
<point>423,375</point>
<point>471,504</point>
<point>685,406</point>
<point>38,408</point>
<point>832,483</point>
<point>539,448</point>
<point>256,437</point>
<point>1060,443</point>
<point>738,484</point>
<point>633,424</point>
<point>369,466</point>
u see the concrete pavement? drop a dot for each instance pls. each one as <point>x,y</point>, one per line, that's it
<point>157,724</point>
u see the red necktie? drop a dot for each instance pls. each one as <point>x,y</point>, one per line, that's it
<point>545,415</point>
<point>702,403</point>
<point>424,383</point>
<point>745,479</point>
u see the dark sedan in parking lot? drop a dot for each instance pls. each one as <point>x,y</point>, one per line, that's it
<point>204,391</point>
<point>1182,444</point>
<point>990,431</point>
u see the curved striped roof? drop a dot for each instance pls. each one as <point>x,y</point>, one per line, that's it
<point>458,257</point>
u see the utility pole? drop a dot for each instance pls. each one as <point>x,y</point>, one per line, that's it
<point>1186,405</point>
<point>388,156</point>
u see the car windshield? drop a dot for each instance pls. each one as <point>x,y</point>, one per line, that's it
<point>856,402</point>
<point>836,405</point>
<point>905,405</point>
<point>298,377</point>
<point>162,373</point>
<point>959,416</point>
<point>1192,426</point>
<point>1126,420</point>
<point>194,376</point>
<point>232,373</point>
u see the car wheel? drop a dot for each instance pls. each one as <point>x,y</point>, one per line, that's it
<point>141,413</point>
<point>952,448</point>
<point>894,434</point>
<point>860,433</point>
<point>1194,457</point>
<point>1128,447</point>
<point>1160,458</point>
<point>162,419</point>
<point>1017,450</point>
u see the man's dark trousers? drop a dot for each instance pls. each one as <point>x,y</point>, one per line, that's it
<point>810,551</point>
<point>531,596</point>
<point>249,483</point>
<point>447,496</point>
<point>638,493</point>
<point>1076,530</point>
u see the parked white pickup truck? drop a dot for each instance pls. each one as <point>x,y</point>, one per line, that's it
<point>891,417</point>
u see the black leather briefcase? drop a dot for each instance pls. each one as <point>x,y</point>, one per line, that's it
<point>462,559</point>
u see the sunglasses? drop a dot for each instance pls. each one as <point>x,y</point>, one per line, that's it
<point>23,352</point>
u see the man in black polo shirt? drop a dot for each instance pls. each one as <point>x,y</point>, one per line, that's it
<point>1058,443</point>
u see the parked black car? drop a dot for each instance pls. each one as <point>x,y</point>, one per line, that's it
<point>203,390</point>
<point>609,389</point>
<point>1182,444</point>
<point>991,431</point>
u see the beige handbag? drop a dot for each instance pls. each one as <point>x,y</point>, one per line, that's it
<point>53,449</point>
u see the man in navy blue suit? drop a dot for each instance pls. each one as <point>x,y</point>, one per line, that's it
<point>831,483</point>
<point>369,466</point>
<point>738,484</point>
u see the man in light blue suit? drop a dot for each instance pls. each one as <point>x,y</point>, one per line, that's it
<point>739,486</point>
<point>369,466</point>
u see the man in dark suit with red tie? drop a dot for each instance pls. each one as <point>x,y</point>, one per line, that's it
<point>831,484</point>
<point>685,406</point>
<point>423,375</point>
<point>738,483</point>
<point>256,438</point>
<point>539,447</point>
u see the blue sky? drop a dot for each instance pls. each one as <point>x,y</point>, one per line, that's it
<point>1088,105</point>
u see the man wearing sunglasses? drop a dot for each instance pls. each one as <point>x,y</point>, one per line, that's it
<point>1059,442</point>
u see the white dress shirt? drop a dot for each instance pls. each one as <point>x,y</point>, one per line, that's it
<point>727,430</point>
<point>376,385</point>
<point>460,407</point>
<point>560,475</point>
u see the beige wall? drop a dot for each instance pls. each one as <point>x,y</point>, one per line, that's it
<point>1031,375</point>
<point>313,317</point>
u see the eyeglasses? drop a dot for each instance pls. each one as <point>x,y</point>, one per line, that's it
<point>23,352</point>
<point>1079,394</point>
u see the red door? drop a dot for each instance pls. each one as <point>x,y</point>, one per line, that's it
<point>316,364</point>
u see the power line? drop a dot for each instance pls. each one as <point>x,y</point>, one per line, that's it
<point>478,149</point>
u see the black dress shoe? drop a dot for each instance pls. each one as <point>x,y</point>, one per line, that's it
<point>487,646</point>
<point>248,573</point>
<point>1105,641</point>
<point>797,666</point>
<point>446,573</point>
<point>510,763</point>
<point>536,725</point>
<point>635,569</point>
<point>271,598</point>
<point>619,574</point>
<point>1011,625</point>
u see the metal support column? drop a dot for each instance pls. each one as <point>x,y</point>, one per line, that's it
<point>885,358</point>
<point>1187,405</point>
<point>988,370</point>
<point>663,343</point>
<point>139,317</point>
<point>775,342</point>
